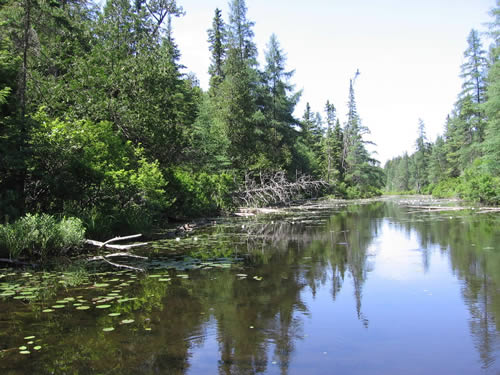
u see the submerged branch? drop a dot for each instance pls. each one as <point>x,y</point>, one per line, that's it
<point>119,247</point>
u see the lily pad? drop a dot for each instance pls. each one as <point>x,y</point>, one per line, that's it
<point>108,329</point>
<point>48,310</point>
<point>29,337</point>
<point>83,307</point>
<point>115,314</point>
<point>103,306</point>
<point>127,321</point>
<point>38,347</point>
<point>24,352</point>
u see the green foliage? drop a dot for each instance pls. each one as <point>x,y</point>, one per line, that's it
<point>446,188</point>
<point>85,169</point>
<point>88,163</point>
<point>38,236</point>
<point>479,186</point>
<point>491,145</point>
<point>199,193</point>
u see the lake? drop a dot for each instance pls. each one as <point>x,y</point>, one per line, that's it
<point>374,287</point>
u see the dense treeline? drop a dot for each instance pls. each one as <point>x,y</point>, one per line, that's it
<point>98,121</point>
<point>465,160</point>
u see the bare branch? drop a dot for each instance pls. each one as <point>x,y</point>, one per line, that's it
<point>266,189</point>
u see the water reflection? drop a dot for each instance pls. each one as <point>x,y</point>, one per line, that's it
<point>355,289</point>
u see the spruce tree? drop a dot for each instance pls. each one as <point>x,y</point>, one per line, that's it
<point>492,104</point>
<point>217,46</point>
<point>238,109</point>
<point>421,158</point>
<point>279,104</point>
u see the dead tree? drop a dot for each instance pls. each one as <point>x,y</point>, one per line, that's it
<point>270,189</point>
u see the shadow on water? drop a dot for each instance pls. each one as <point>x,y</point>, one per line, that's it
<point>253,315</point>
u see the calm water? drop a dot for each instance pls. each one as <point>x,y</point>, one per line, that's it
<point>374,288</point>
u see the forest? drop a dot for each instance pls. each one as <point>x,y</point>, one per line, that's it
<point>465,160</point>
<point>98,122</point>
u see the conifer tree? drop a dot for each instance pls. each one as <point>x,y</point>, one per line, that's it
<point>421,158</point>
<point>437,161</point>
<point>280,102</point>
<point>492,104</point>
<point>217,46</point>
<point>238,99</point>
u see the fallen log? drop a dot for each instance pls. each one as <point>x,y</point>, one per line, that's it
<point>118,247</point>
<point>455,208</point>
<point>107,244</point>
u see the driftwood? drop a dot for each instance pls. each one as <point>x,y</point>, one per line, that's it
<point>479,210</point>
<point>120,247</point>
<point>267,189</point>
<point>118,255</point>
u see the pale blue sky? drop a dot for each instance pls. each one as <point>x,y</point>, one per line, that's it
<point>408,52</point>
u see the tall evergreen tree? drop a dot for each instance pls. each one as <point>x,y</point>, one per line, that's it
<point>492,105</point>
<point>311,130</point>
<point>217,46</point>
<point>238,108</point>
<point>329,140</point>
<point>437,161</point>
<point>474,69</point>
<point>279,106</point>
<point>240,33</point>
<point>421,158</point>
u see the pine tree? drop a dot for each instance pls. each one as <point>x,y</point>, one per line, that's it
<point>492,105</point>
<point>437,161</point>
<point>240,33</point>
<point>279,105</point>
<point>329,141</point>
<point>474,69</point>
<point>473,93</point>
<point>217,46</point>
<point>361,171</point>
<point>238,108</point>
<point>421,158</point>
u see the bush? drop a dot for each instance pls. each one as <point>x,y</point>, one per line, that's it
<point>477,185</point>
<point>354,192</point>
<point>198,194</point>
<point>446,189</point>
<point>38,236</point>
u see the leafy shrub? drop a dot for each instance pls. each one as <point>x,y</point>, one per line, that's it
<point>354,192</point>
<point>446,188</point>
<point>85,169</point>
<point>477,185</point>
<point>40,235</point>
<point>199,194</point>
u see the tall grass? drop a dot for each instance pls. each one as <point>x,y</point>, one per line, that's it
<point>40,236</point>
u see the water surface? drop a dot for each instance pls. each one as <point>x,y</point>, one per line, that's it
<point>361,288</point>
